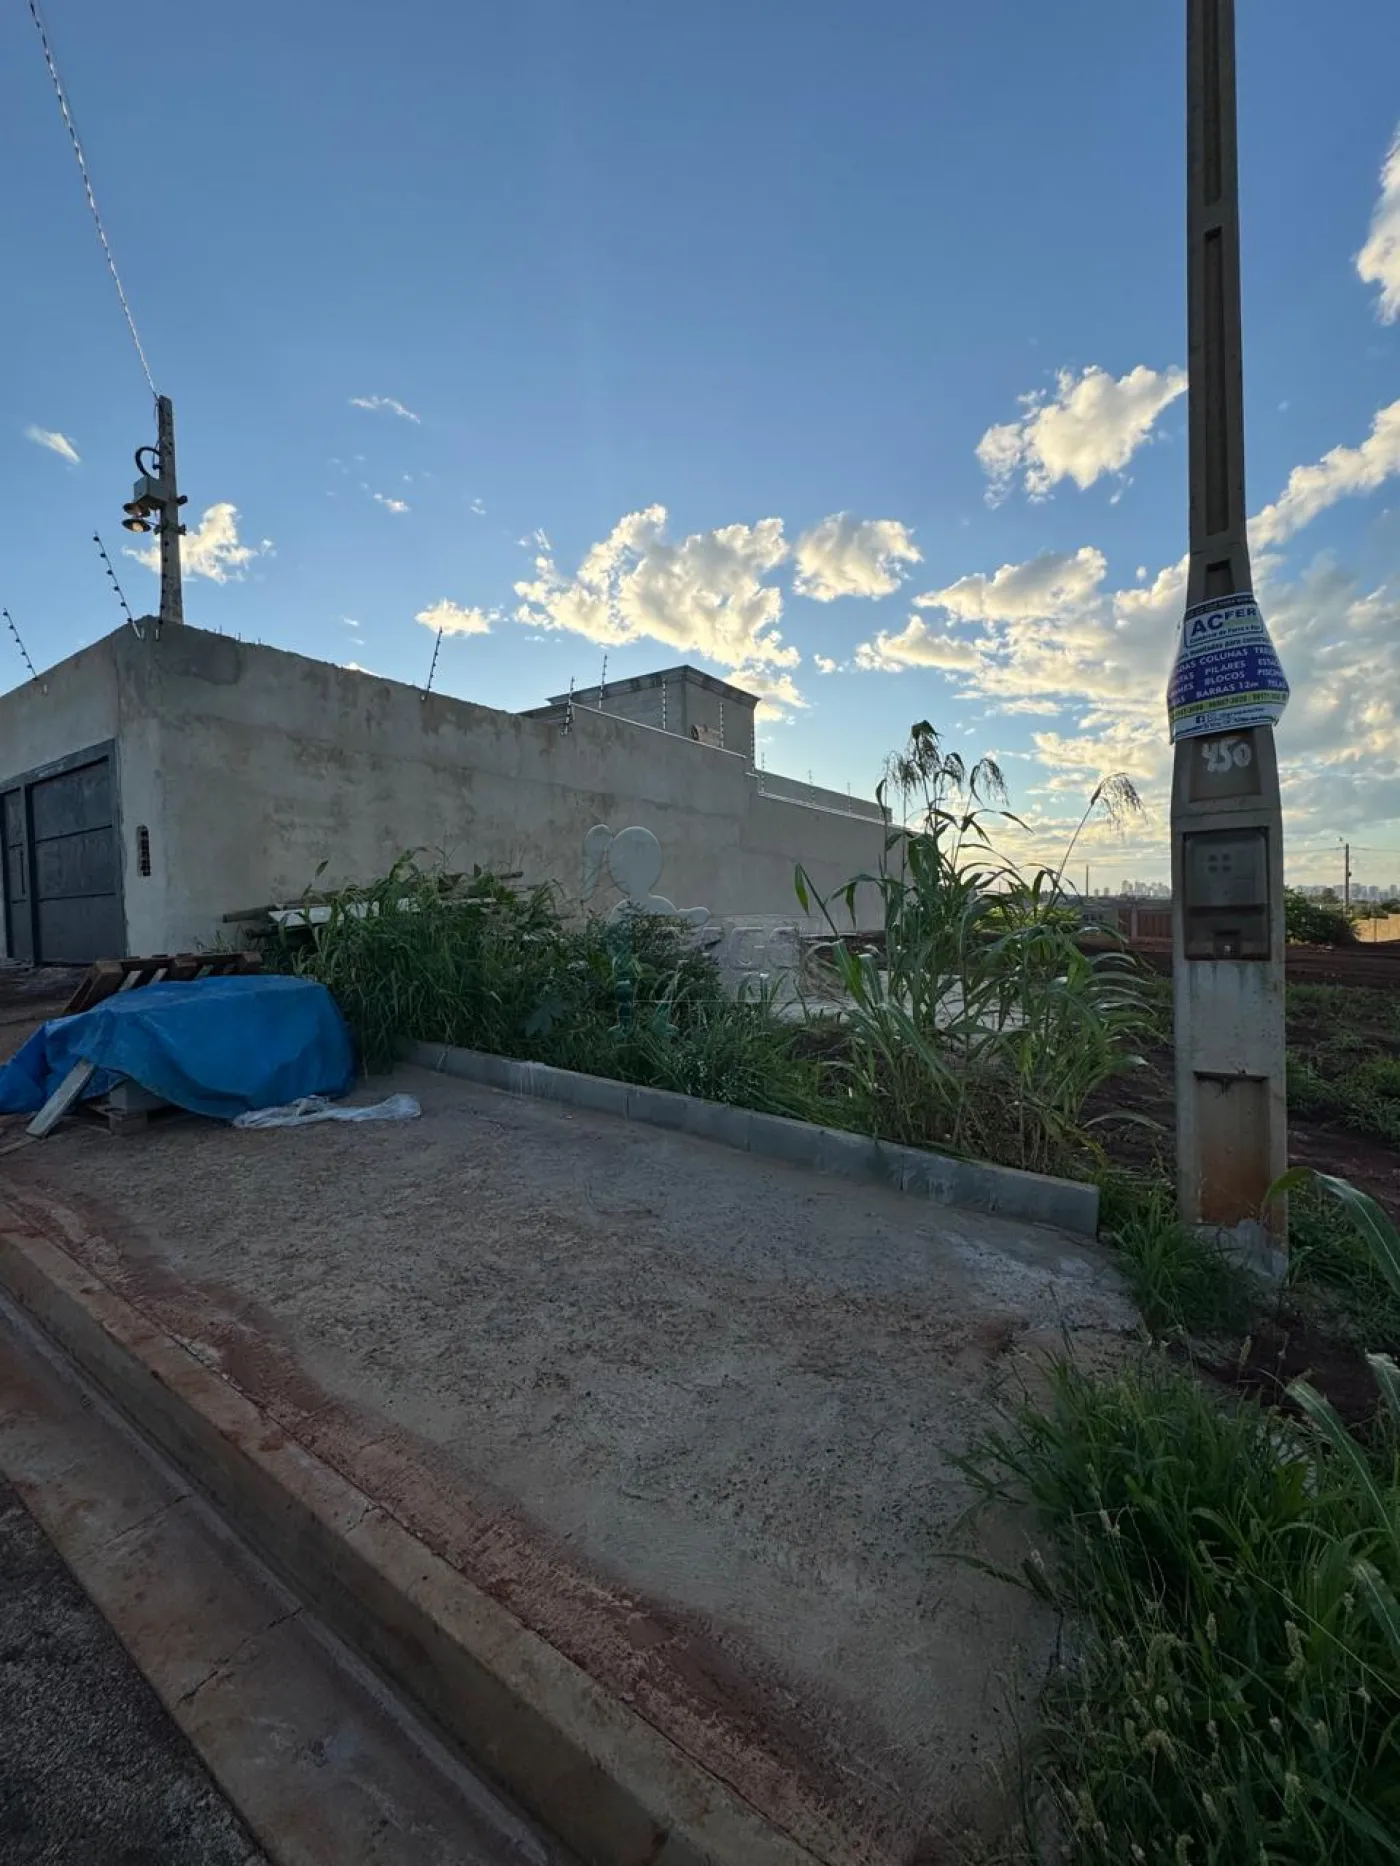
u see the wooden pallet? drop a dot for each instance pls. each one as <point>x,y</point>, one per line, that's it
<point>106,976</point>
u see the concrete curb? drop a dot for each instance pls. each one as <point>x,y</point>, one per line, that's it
<point>301,1738</point>
<point>973,1185</point>
<point>601,1778</point>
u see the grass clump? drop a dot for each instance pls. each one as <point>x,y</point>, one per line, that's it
<point>1232,1574</point>
<point>1181,1282</point>
<point>1344,1058</point>
<point>979,1028</point>
<point>1235,1583</point>
<point>1334,1273</point>
<point>976,1024</point>
<point>469,960</point>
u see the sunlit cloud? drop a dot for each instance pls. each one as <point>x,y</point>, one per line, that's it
<point>212,549</point>
<point>453,619</point>
<point>1378,262</point>
<point>845,556</point>
<point>1089,426</point>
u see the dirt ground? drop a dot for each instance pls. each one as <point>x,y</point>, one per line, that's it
<point>1147,1096</point>
<point>28,996</point>
<point>689,1414</point>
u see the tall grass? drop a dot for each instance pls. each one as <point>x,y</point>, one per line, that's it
<point>468,959</point>
<point>1181,1281</point>
<point>1232,1576</point>
<point>1234,1580</point>
<point>980,1025</point>
<point>982,1029</point>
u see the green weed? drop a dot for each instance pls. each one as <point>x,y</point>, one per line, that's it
<point>1236,1697</point>
<point>468,960</point>
<point>1328,1084</point>
<point>1180,1281</point>
<point>1233,1576</point>
<point>980,1025</point>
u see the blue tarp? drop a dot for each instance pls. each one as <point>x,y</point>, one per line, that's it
<point>218,1046</point>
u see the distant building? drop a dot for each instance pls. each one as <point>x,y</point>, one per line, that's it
<point>708,711</point>
<point>675,699</point>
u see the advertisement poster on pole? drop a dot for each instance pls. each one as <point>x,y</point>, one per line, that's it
<point>1227,675</point>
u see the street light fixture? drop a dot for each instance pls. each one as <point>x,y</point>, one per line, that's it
<point>156,496</point>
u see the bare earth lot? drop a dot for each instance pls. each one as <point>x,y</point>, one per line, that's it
<point>688,1414</point>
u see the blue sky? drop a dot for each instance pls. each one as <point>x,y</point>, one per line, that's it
<point>642,300</point>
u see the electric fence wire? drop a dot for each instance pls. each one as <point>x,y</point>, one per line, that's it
<point>121,594</point>
<point>72,128</point>
<point>10,624</point>
<point>437,646</point>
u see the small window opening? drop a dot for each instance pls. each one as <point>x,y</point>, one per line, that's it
<point>143,849</point>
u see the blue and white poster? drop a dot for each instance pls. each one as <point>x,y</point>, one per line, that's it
<point>1227,674</point>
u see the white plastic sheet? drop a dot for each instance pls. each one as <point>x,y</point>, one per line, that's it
<point>316,1108</point>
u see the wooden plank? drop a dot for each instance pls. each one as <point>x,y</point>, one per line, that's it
<point>98,982</point>
<point>106,976</point>
<point>62,1099</point>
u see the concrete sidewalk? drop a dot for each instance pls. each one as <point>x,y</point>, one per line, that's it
<point>688,1415</point>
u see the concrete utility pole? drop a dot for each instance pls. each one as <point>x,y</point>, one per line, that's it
<point>157,494</point>
<point>1227,691</point>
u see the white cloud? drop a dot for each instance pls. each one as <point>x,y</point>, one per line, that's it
<point>1090,426</point>
<point>917,645</point>
<point>478,508</point>
<point>55,442</point>
<point>704,595</point>
<point>1054,583</point>
<point>1378,262</point>
<point>1054,635</point>
<point>390,505</point>
<point>777,692</point>
<point>353,667</point>
<point>351,621</point>
<point>825,664</point>
<point>453,619</point>
<point>845,556</point>
<point>538,540</point>
<point>1340,473</point>
<point>387,402</point>
<point>212,549</point>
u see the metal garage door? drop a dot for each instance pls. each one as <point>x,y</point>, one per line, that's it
<point>62,868</point>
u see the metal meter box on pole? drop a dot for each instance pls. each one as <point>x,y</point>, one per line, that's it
<point>1226,693</point>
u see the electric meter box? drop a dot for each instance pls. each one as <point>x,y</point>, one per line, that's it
<point>1226,893</point>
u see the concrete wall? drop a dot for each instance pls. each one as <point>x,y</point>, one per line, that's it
<point>676,702</point>
<point>253,766</point>
<point>774,784</point>
<point>714,714</point>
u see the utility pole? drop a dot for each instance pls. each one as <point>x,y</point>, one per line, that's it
<point>1227,692</point>
<point>156,494</point>
<point>1346,877</point>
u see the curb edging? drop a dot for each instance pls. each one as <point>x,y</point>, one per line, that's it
<point>971,1185</point>
<point>600,1777</point>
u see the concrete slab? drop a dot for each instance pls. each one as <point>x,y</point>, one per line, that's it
<point>321,1766</point>
<point>975,1185</point>
<point>686,1413</point>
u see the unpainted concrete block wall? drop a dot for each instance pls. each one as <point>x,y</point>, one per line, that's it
<point>254,766</point>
